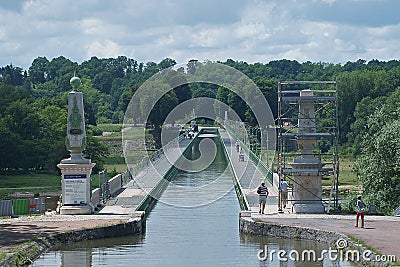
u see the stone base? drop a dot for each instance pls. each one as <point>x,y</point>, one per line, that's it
<point>76,210</point>
<point>309,208</point>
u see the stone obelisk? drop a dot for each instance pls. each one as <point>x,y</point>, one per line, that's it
<point>76,170</point>
<point>307,178</point>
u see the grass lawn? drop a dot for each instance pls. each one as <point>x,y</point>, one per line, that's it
<point>348,181</point>
<point>110,127</point>
<point>346,175</point>
<point>112,137</point>
<point>116,134</point>
<point>31,182</point>
<point>117,161</point>
<point>119,168</point>
<point>136,132</point>
<point>36,183</point>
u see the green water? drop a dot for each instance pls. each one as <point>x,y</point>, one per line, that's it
<point>206,235</point>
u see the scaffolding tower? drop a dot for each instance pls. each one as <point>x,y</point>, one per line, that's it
<point>325,131</point>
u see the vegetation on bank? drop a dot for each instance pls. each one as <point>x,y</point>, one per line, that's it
<point>33,111</point>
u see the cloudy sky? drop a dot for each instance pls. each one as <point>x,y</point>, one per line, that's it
<point>334,31</point>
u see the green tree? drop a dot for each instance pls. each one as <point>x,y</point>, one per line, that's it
<point>38,70</point>
<point>363,109</point>
<point>96,151</point>
<point>159,108</point>
<point>269,89</point>
<point>378,165</point>
<point>203,92</point>
<point>9,147</point>
<point>173,78</point>
<point>221,96</point>
<point>353,87</point>
<point>166,63</point>
<point>11,75</point>
<point>378,168</point>
<point>53,126</point>
<point>103,81</point>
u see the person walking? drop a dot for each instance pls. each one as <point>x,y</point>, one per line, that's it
<point>262,192</point>
<point>237,146</point>
<point>284,192</point>
<point>360,211</point>
<point>241,155</point>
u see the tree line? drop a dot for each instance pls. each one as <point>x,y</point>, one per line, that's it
<point>33,107</point>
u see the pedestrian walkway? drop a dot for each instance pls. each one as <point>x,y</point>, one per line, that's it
<point>380,232</point>
<point>249,176</point>
<point>135,191</point>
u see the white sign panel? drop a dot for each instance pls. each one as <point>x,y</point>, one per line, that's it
<point>75,189</point>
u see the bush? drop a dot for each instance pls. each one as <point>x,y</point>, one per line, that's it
<point>97,131</point>
<point>351,202</point>
<point>112,173</point>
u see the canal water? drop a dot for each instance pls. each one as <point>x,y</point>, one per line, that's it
<point>205,235</point>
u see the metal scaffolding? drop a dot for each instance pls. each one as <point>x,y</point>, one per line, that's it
<point>324,97</point>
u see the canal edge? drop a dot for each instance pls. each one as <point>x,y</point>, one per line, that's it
<point>253,226</point>
<point>243,202</point>
<point>31,250</point>
<point>151,198</point>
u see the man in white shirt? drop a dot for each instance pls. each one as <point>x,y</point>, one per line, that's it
<point>284,192</point>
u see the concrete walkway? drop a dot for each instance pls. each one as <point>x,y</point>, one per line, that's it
<point>248,175</point>
<point>136,190</point>
<point>380,232</point>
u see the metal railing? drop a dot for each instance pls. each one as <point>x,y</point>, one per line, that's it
<point>152,159</point>
<point>261,166</point>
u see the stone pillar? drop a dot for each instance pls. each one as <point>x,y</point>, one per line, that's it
<point>307,178</point>
<point>76,170</point>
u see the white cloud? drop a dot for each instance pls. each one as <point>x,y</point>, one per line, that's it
<point>253,31</point>
<point>249,30</point>
<point>168,40</point>
<point>209,37</point>
<point>329,2</point>
<point>106,48</point>
<point>92,26</point>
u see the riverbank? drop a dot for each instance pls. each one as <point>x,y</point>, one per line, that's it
<point>25,238</point>
<point>380,234</point>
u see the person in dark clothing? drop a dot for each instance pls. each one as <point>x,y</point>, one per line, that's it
<point>262,192</point>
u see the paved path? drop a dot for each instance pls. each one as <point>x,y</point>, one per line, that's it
<point>248,175</point>
<point>136,190</point>
<point>380,232</point>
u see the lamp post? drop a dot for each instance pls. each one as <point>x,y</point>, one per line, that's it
<point>279,186</point>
